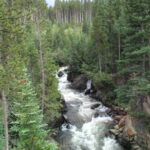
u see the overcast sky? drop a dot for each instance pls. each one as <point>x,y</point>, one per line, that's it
<point>50,2</point>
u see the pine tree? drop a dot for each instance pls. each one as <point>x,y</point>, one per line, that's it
<point>136,53</point>
<point>99,33</point>
<point>28,123</point>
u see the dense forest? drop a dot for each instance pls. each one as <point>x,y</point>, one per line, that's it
<point>108,41</point>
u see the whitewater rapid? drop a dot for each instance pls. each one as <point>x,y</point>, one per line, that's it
<point>84,130</point>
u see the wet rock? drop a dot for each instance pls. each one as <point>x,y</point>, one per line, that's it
<point>108,110</point>
<point>97,95</point>
<point>72,76</point>
<point>114,131</point>
<point>80,83</point>
<point>58,122</point>
<point>65,116</point>
<point>64,108</point>
<point>60,74</point>
<point>95,106</point>
<point>96,115</point>
<point>87,92</point>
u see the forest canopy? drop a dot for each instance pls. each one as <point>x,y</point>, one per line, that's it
<point>108,41</point>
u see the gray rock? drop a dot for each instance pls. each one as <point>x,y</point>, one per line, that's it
<point>114,131</point>
<point>95,106</point>
<point>80,83</point>
<point>136,147</point>
<point>60,74</point>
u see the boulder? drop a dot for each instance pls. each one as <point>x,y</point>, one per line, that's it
<point>122,122</point>
<point>72,76</point>
<point>58,122</point>
<point>142,137</point>
<point>118,117</point>
<point>64,108</point>
<point>108,110</point>
<point>95,106</point>
<point>60,74</point>
<point>97,95</point>
<point>136,147</point>
<point>80,83</point>
<point>87,92</point>
<point>114,131</point>
<point>129,129</point>
<point>116,127</point>
<point>118,111</point>
<point>96,115</point>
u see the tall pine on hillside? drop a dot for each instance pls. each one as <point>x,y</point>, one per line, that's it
<point>99,33</point>
<point>137,41</point>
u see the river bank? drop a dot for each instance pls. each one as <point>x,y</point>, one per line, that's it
<point>87,121</point>
<point>123,127</point>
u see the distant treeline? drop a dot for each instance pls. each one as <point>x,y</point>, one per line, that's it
<point>71,11</point>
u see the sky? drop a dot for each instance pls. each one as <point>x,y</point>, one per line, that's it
<point>50,2</point>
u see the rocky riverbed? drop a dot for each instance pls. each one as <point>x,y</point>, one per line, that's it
<point>126,129</point>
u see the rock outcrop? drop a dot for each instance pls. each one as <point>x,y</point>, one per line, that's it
<point>72,76</point>
<point>132,133</point>
<point>80,83</point>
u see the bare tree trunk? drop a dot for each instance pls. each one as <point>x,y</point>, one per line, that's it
<point>119,45</point>
<point>5,112</point>
<point>149,55</point>
<point>144,56</point>
<point>42,70</point>
<point>100,62</point>
<point>43,76</point>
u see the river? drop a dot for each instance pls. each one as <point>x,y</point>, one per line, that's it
<point>86,128</point>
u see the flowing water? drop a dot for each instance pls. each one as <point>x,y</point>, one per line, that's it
<point>86,128</point>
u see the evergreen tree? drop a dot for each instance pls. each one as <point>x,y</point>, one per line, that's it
<point>136,52</point>
<point>99,33</point>
<point>28,123</point>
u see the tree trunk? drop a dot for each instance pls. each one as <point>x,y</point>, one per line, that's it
<point>5,113</point>
<point>119,45</point>
<point>144,56</point>
<point>100,62</point>
<point>42,70</point>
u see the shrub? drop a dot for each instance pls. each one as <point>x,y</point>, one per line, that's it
<point>122,95</point>
<point>102,80</point>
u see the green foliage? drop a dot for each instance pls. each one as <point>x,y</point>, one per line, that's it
<point>86,27</point>
<point>75,48</point>
<point>116,42</point>
<point>138,114</point>
<point>129,94</point>
<point>123,95</point>
<point>21,22</point>
<point>102,80</point>
<point>140,86</point>
<point>28,121</point>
